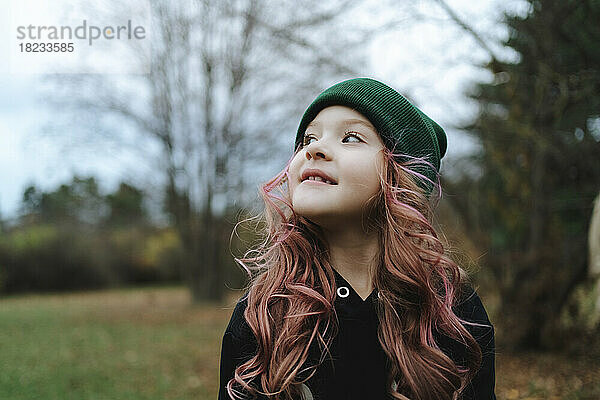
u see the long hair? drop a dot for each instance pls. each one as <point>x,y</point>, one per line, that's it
<point>292,289</point>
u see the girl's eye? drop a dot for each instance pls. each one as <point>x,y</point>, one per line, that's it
<point>348,134</point>
<point>307,139</point>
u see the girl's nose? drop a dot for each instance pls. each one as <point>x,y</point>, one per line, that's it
<point>315,150</point>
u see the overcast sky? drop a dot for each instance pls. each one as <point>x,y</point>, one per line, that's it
<point>431,59</point>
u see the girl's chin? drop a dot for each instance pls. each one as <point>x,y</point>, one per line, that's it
<point>313,200</point>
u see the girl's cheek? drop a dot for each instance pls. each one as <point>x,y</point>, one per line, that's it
<point>292,179</point>
<point>294,169</point>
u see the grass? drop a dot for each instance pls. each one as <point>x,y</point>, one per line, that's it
<point>151,343</point>
<point>116,344</point>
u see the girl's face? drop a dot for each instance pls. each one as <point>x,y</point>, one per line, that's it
<point>344,145</point>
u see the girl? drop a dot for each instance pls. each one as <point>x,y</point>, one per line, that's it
<point>354,296</point>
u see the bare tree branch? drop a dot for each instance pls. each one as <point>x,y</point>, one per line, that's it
<point>460,22</point>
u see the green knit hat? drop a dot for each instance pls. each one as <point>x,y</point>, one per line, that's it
<point>403,127</point>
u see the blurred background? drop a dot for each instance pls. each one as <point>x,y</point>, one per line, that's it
<point>119,192</point>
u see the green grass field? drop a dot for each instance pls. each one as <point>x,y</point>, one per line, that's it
<point>152,344</point>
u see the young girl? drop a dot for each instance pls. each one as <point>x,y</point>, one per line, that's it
<point>353,295</point>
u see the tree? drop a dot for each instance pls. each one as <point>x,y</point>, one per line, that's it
<point>126,205</point>
<point>215,101</point>
<point>538,128</point>
<point>76,203</point>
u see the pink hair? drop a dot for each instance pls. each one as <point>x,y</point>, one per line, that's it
<point>292,289</point>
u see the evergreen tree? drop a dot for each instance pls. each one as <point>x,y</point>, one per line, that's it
<point>126,206</point>
<point>539,134</point>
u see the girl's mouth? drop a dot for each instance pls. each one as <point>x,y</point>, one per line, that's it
<point>318,179</point>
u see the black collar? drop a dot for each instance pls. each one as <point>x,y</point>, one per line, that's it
<point>349,304</point>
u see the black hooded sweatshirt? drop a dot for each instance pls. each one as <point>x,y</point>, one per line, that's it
<point>358,367</point>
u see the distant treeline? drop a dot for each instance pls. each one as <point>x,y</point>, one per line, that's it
<point>76,238</point>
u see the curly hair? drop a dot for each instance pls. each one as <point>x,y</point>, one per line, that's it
<point>291,292</point>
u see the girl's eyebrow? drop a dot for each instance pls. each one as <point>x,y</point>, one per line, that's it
<point>359,122</point>
<point>313,123</point>
<point>347,122</point>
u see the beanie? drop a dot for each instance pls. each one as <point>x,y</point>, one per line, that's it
<point>403,127</point>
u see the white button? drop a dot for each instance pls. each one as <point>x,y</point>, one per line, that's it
<point>345,290</point>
